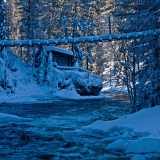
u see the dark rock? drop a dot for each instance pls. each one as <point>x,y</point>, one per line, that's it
<point>45,156</point>
<point>69,145</point>
<point>25,137</point>
<point>14,69</point>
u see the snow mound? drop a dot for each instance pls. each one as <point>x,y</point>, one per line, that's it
<point>144,145</point>
<point>137,133</point>
<point>142,122</point>
<point>12,118</point>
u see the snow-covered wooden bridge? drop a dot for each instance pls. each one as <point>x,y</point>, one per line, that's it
<point>105,37</point>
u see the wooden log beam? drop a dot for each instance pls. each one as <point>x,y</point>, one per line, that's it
<point>91,39</point>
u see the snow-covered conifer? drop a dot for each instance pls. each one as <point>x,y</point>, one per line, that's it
<point>41,73</point>
<point>139,56</point>
<point>78,56</point>
<point>4,56</point>
<point>50,69</point>
<point>42,67</point>
<point>2,69</point>
<point>3,26</point>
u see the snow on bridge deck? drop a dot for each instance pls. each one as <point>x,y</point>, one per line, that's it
<point>91,39</point>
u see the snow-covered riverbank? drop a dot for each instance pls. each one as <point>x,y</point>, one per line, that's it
<point>47,98</point>
<point>138,133</point>
<point>21,83</point>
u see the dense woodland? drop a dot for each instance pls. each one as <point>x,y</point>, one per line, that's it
<point>134,62</point>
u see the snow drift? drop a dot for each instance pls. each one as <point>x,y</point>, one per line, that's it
<point>4,118</point>
<point>134,133</point>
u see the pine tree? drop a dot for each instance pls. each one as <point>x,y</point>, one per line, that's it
<point>3,26</point>
<point>3,50</point>
<point>138,56</point>
<point>42,67</point>
<point>50,69</point>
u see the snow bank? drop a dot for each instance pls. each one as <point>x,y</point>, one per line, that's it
<point>135,133</point>
<point>72,94</point>
<point>144,121</point>
<point>22,86</point>
<point>12,118</point>
<point>143,145</point>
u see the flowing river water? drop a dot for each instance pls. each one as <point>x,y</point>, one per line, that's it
<point>51,135</point>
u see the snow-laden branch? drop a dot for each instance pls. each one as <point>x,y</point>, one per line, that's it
<point>91,39</point>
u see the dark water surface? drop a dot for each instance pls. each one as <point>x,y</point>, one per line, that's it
<point>51,135</point>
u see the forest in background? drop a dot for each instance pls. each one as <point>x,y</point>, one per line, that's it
<point>134,62</point>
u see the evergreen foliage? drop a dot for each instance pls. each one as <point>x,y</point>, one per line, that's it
<point>3,28</point>
<point>3,50</point>
<point>139,57</point>
<point>50,68</point>
<point>42,67</point>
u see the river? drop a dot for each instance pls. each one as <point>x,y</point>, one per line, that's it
<point>52,133</point>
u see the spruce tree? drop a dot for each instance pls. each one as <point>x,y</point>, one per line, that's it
<point>3,50</point>
<point>3,27</point>
<point>50,69</point>
<point>42,68</point>
<point>139,56</point>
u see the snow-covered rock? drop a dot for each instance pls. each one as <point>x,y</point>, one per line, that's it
<point>84,83</point>
<point>87,85</point>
